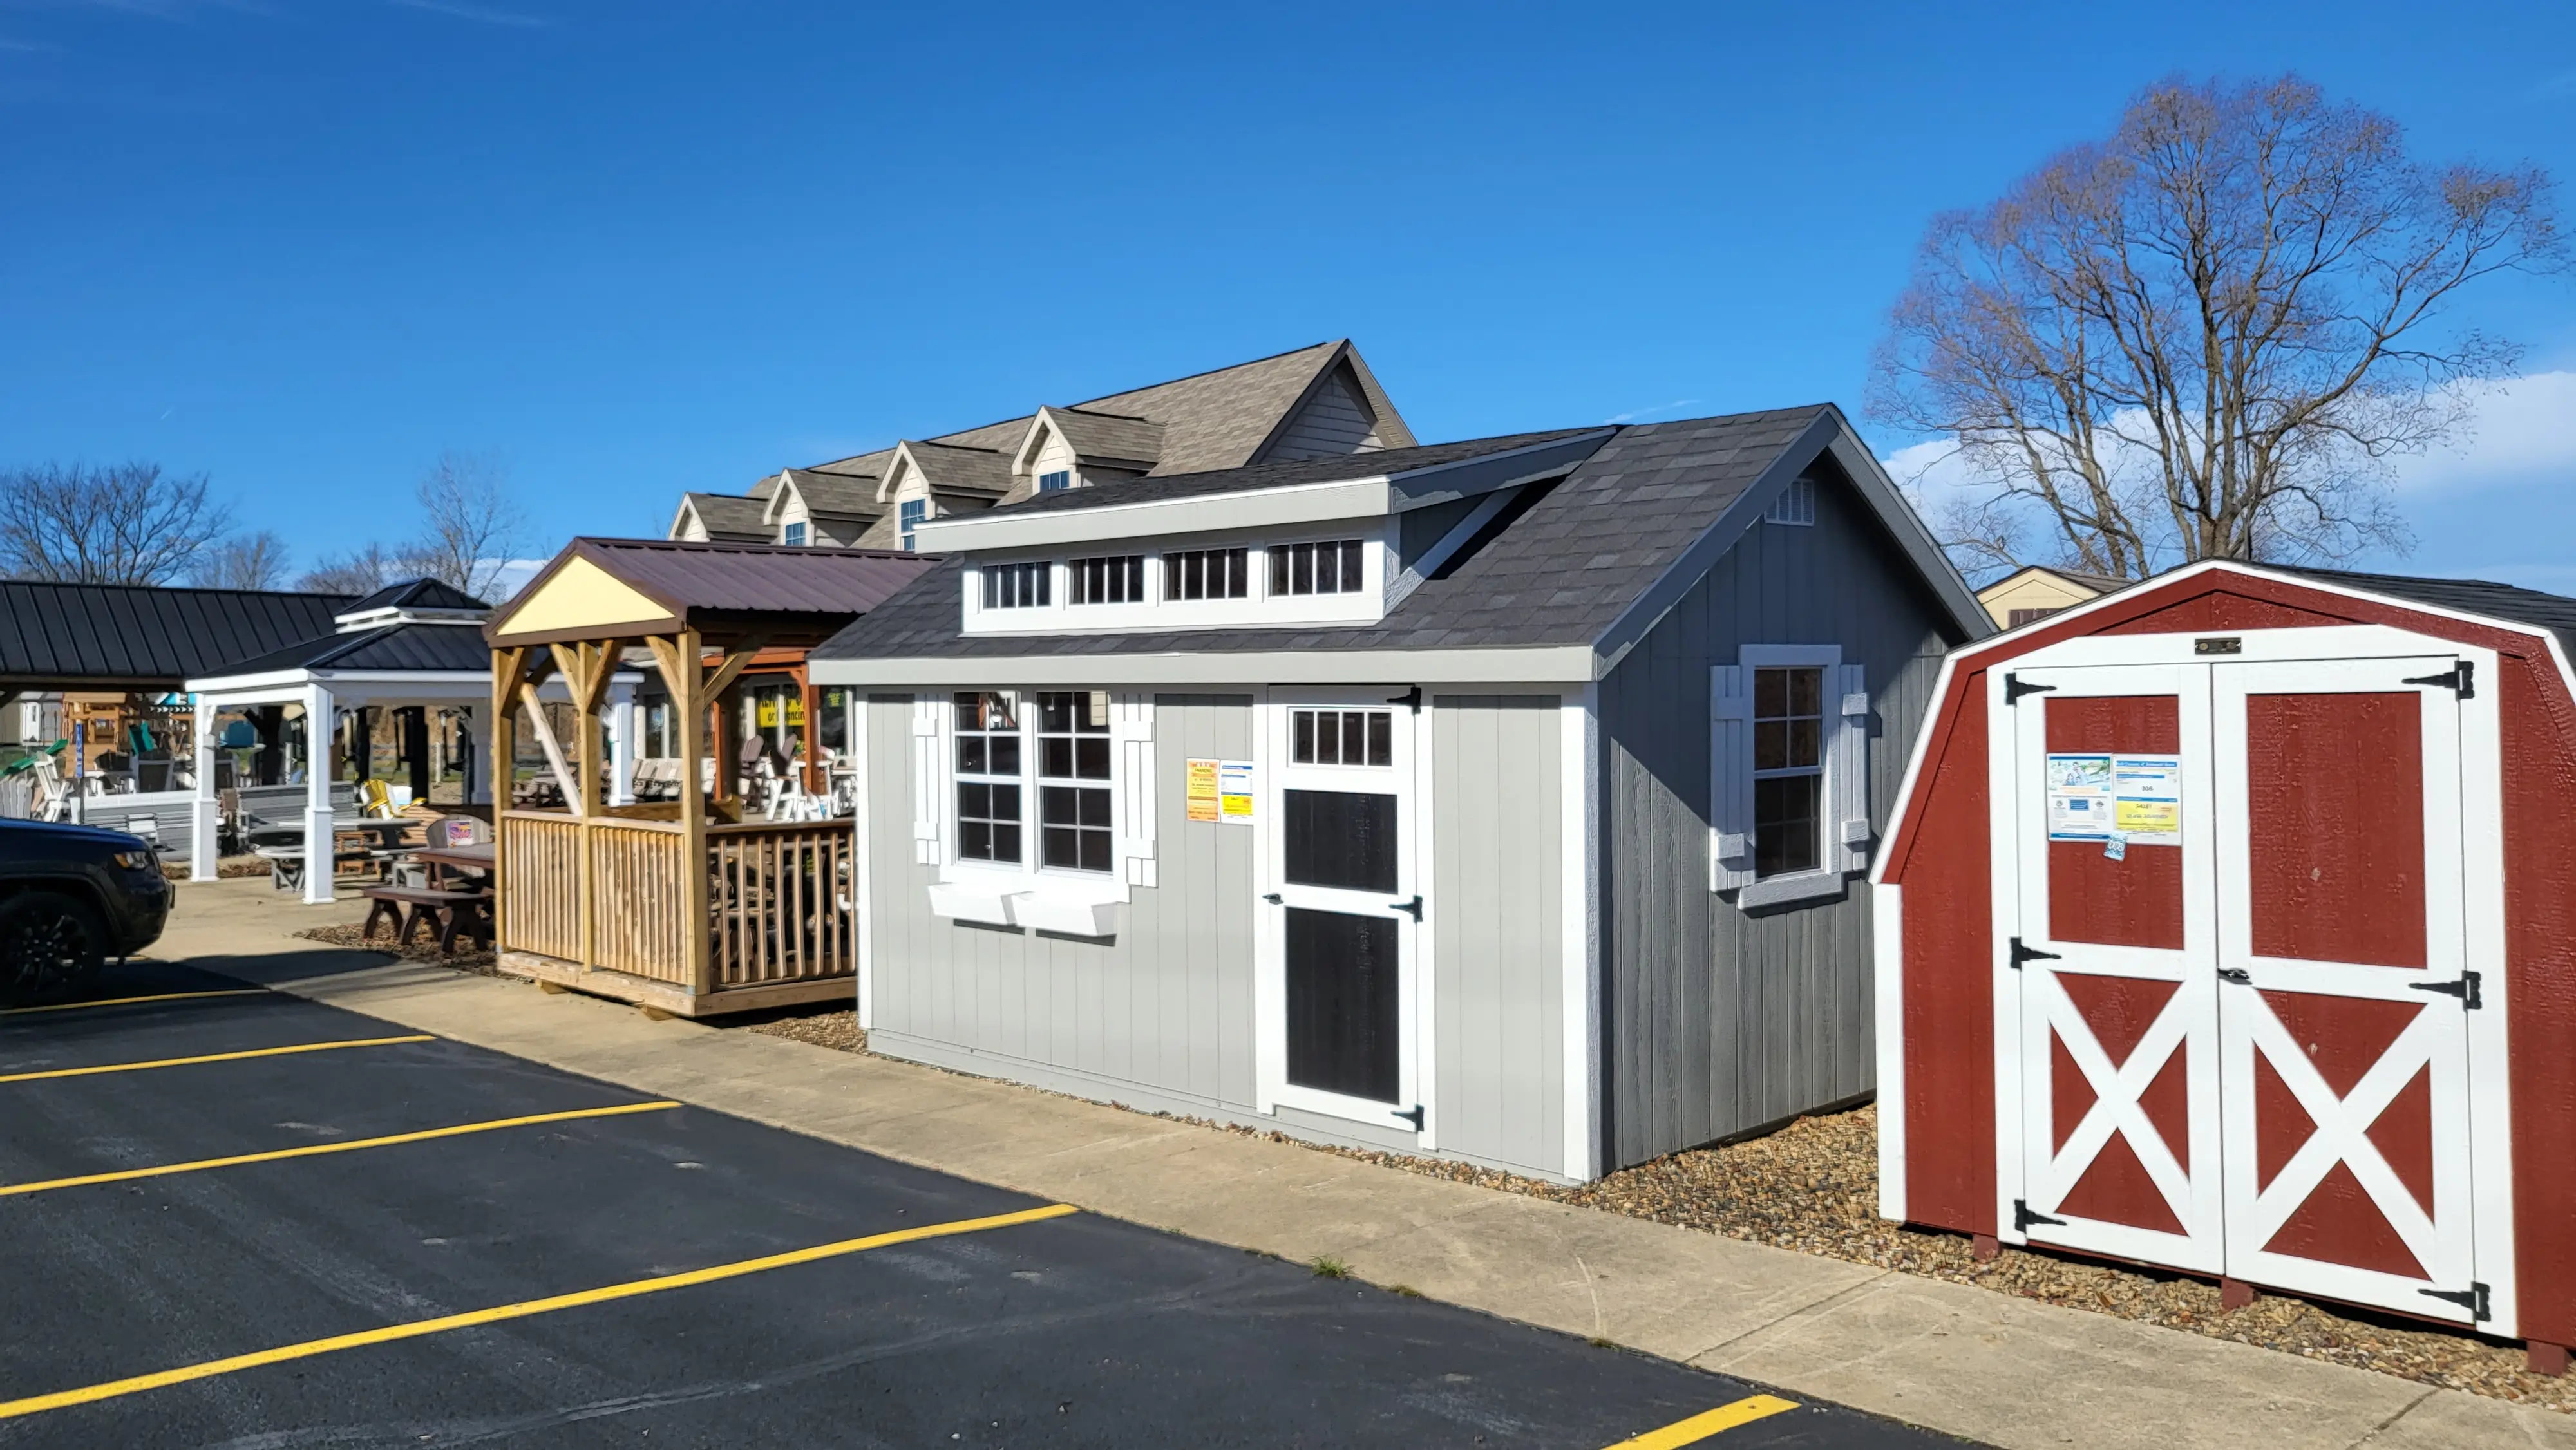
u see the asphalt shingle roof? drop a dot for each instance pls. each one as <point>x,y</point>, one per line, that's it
<point>1333,468</point>
<point>1108,436</point>
<point>1561,574</point>
<point>730,516</point>
<point>2553,612</point>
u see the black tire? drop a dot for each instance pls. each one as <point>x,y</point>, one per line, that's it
<point>51,945</point>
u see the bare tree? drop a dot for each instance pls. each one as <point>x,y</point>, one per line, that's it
<point>244,561</point>
<point>470,524</point>
<point>128,523</point>
<point>360,571</point>
<point>2207,336</point>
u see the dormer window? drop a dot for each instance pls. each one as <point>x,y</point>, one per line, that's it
<point>1115,580</point>
<point>1327,568</point>
<point>1050,482</point>
<point>1207,574</point>
<point>1012,586</point>
<point>911,514</point>
<point>795,534</point>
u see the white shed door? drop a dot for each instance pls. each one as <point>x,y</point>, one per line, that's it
<point>2344,1004</point>
<point>2119,1056</point>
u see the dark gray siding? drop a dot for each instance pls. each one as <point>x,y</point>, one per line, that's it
<point>1165,1006</point>
<point>1718,1022</point>
<point>1498,930</point>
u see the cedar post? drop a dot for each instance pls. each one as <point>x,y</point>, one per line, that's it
<point>813,734</point>
<point>500,771</point>
<point>682,660</point>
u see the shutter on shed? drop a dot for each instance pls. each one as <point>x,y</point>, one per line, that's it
<point>1730,779</point>
<point>1131,724</point>
<point>1850,767</point>
<point>926,792</point>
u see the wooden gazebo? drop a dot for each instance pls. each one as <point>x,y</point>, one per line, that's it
<point>680,905</point>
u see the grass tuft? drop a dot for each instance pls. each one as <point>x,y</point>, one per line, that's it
<point>1328,1267</point>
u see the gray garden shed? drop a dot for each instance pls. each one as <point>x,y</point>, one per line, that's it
<point>1507,800</point>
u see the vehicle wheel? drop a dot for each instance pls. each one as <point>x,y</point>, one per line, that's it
<point>50,944</point>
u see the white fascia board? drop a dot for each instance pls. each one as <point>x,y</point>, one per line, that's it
<point>1550,664</point>
<point>1309,503</point>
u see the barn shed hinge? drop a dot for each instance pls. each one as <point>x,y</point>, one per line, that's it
<point>2460,679</point>
<point>2472,1298</point>
<point>1412,697</point>
<point>2021,954</point>
<point>2023,1218</point>
<point>1411,908</point>
<point>2466,989</point>
<point>1412,1115</point>
<point>2014,689</point>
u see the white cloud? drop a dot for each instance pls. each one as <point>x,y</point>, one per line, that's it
<point>2522,430</point>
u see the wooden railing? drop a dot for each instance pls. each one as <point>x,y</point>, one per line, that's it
<point>781,901</point>
<point>779,897</point>
<point>541,901</point>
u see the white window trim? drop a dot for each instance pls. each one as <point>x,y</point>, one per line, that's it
<point>1843,817</point>
<point>1026,894</point>
<point>1258,609</point>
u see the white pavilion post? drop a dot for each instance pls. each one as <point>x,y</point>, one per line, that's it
<point>319,766</point>
<point>622,734</point>
<point>207,825</point>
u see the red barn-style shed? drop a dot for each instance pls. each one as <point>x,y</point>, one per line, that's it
<point>2227,923</point>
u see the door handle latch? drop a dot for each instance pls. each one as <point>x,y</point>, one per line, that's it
<point>2466,989</point>
<point>2238,975</point>
<point>1411,908</point>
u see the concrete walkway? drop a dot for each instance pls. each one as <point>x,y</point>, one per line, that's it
<point>1974,1363</point>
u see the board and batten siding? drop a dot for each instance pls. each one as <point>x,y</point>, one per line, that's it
<point>1718,1021</point>
<point>1498,938</point>
<point>1164,1007</point>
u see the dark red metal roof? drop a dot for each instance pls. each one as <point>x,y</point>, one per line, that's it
<point>800,590</point>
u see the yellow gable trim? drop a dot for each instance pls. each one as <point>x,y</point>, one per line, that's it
<point>581,595</point>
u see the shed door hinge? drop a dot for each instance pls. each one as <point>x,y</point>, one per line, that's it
<point>2014,689</point>
<point>1412,697</point>
<point>2472,1298</point>
<point>2023,1218</point>
<point>2466,989</point>
<point>1412,1115</point>
<point>2021,954</point>
<point>2460,679</point>
<point>1411,908</point>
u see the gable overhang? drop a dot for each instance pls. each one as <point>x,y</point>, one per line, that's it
<point>577,598</point>
<point>1279,506</point>
<point>1828,436</point>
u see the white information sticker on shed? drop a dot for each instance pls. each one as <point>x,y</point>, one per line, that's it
<point>2135,799</point>
<point>1234,792</point>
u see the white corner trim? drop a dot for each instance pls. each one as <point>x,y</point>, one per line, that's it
<point>863,916</point>
<point>2003,924</point>
<point>1887,949</point>
<point>1579,865</point>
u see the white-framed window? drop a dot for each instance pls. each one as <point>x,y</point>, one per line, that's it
<point>911,514</point>
<point>1796,504</point>
<point>1017,586</point>
<point>988,777</point>
<point>1055,479</point>
<point>1341,737</point>
<point>1036,807</point>
<point>1112,579</point>
<point>795,534</point>
<point>1330,567</point>
<point>1207,574</point>
<point>1789,774</point>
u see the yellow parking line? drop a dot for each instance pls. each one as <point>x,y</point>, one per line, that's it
<point>130,1001</point>
<point>315,1150</point>
<point>212,1057</point>
<point>1695,1429</point>
<point>34,1404</point>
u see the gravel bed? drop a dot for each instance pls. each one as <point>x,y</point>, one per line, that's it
<point>1813,1187</point>
<point>834,1027</point>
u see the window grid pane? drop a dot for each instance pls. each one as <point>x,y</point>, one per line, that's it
<point>1788,770</point>
<point>1114,580</point>
<point>1334,568</point>
<point>1074,826</point>
<point>1341,737</point>
<point>1016,586</point>
<point>1206,574</point>
<point>988,808</point>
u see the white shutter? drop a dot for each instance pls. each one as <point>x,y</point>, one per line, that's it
<point>1848,798</point>
<point>1131,723</point>
<point>928,780</point>
<point>1730,778</point>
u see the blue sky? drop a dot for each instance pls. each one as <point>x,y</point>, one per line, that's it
<point>305,245</point>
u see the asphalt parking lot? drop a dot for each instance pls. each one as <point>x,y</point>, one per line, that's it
<point>248,1220</point>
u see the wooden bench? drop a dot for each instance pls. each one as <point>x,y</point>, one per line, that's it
<point>286,863</point>
<point>455,913</point>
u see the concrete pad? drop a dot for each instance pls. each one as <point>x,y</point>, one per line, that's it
<point>2449,1420</point>
<point>2032,1376</point>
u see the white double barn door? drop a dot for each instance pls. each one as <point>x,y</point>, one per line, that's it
<point>2243,1043</point>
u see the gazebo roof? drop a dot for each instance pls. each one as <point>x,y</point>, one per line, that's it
<point>599,589</point>
<point>139,637</point>
<point>394,649</point>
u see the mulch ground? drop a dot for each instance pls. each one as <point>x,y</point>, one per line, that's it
<point>1813,1187</point>
<point>423,948</point>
